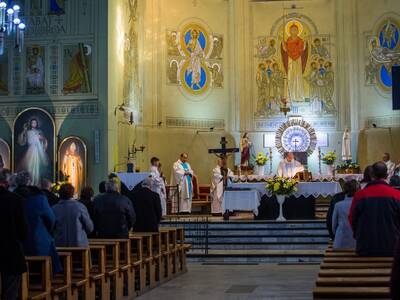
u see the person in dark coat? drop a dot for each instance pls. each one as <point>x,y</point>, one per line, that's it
<point>73,220</point>
<point>40,219</point>
<point>47,191</point>
<point>113,213</point>
<point>147,205</point>
<point>13,231</point>
<point>86,198</point>
<point>375,216</point>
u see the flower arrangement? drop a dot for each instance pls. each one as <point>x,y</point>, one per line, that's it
<point>282,186</point>
<point>347,165</point>
<point>261,159</point>
<point>55,188</point>
<point>329,158</point>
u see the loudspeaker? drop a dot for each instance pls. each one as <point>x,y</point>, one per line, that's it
<point>396,87</point>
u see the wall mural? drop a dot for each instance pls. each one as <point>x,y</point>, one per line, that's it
<point>194,58</point>
<point>131,90</point>
<point>35,69</point>
<point>77,68</point>
<point>4,90</point>
<point>382,52</point>
<point>294,68</point>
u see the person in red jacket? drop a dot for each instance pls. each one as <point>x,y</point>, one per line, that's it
<point>375,215</point>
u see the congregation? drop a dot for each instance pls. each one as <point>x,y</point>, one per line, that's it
<point>34,221</point>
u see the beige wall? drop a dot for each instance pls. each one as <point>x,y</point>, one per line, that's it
<point>239,21</point>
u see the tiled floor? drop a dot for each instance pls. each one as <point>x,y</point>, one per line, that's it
<point>209,282</point>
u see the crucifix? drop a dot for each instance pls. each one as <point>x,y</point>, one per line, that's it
<point>295,144</point>
<point>222,153</point>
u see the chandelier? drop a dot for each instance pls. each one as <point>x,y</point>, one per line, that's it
<point>11,25</point>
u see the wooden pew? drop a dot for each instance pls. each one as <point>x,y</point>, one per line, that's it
<point>80,271</point>
<point>182,250</point>
<point>345,275</point>
<point>148,269</point>
<point>136,264</point>
<point>99,285</point>
<point>112,270</point>
<point>36,283</point>
<point>169,249</point>
<point>61,285</point>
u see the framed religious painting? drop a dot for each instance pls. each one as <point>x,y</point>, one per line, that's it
<point>34,144</point>
<point>77,74</point>
<point>5,155</point>
<point>35,70</point>
<point>72,162</point>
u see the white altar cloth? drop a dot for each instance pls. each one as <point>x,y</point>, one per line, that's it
<point>305,189</point>
<point>132,179</point>
<point>241,200</point>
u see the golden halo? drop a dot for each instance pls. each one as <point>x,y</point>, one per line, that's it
<point>290,24</point>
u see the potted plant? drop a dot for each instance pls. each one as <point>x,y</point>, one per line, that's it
<point>329,159</point>
<point>281,188</point>
<point>261,160</point>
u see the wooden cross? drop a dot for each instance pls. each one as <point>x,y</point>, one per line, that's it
<point>223,151</point>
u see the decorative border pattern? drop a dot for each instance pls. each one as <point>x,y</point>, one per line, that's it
<point>53,80</point>
<point>384,121</point>
<point>195,123</point>
<point>274,124</point>
<point>59,110</point>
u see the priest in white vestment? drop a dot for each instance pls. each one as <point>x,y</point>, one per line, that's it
<point>391,166</point>
<point>289,167</point>
<point>182,175</point>
<point>221,176</point>
<point>158,183</point>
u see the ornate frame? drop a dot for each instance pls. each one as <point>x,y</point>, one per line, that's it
<point>54,136</point>
<point>2,141</point>
<point>296,122</point>
<point>85,166</point>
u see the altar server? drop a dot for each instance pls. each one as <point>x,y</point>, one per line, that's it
<point>182,175</point>
<point>158,183</point>
<point>221,176</point>
<point>289,167</point>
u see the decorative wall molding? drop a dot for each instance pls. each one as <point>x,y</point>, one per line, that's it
<point>274,124</point>
<point>195,123</point>
<point>384,121</point>
<point>88,109</point>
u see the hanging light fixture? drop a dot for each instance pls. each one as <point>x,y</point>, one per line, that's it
<point>11,25</point>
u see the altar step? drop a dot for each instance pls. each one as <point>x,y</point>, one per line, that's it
<point>257,256</point>
<point>254,241</point>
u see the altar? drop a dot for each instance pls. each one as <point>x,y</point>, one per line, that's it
<point>254,197</point>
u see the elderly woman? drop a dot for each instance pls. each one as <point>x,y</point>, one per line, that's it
<point>73,220</point>
<point>340,220</point>
<point>40,220</point>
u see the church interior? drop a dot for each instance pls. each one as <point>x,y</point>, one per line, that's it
<point>257,125</point>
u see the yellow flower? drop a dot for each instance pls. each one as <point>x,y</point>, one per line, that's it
<point>276,187</point>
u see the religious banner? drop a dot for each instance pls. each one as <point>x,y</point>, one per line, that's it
<point>194,60</point>
<point>34,144</point>
<point>35,70</point>
<point>72,162</point>
<point>294,69</point>
<point>5,155</point>
<point>77,69</point>
<point>382,53</point>
<point>4,90</point>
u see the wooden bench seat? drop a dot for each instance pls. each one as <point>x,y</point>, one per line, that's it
<point>354,281</point>
<point>351,292</point>
<point>112,266</point>
<point>36,283</point>
<point>61,285</point>
<point>355,265</point>
<point>80,261</point>
<point>354,272</point>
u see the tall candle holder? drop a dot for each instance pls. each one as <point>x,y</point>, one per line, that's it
<point>270,160</point>
<point>319,160</point>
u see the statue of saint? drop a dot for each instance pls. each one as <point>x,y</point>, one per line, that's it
<point>245,151</point>
<point>346,146</point>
